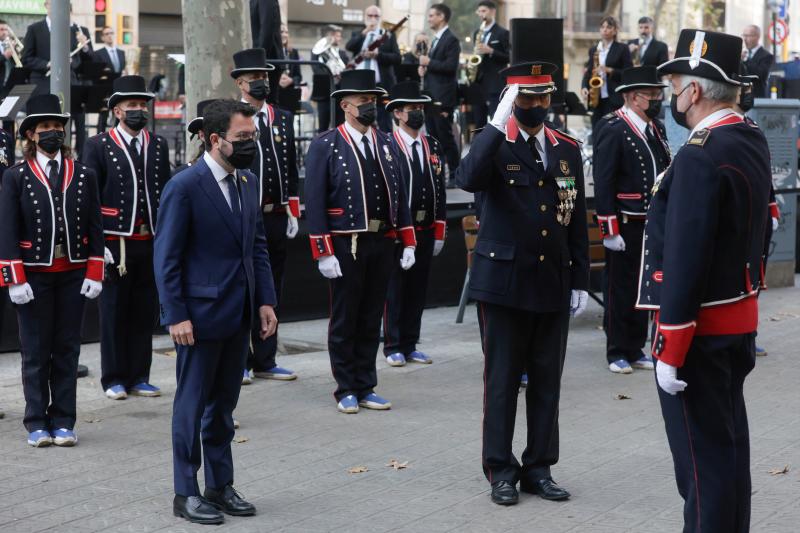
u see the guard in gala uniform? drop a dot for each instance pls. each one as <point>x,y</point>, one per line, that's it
<point>195,129</point>
<point>630,151</point>
<point>703,263</point>
<point>132,166</point>
<point>51,256</point>
<point>275,165</point>
<point>425,191</point>
<point>530,272</point>
<point>357,208</point>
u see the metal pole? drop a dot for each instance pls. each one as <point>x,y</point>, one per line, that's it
<point>774,33</point>
<point>59,53</point>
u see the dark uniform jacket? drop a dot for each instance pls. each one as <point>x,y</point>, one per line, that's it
<point>655,54</point>
<point>524,258</point>
<point>713,205</point>
<point>335,188</point>
<point>434,177</point>
<point>276,161</point>
<point>388,56</point>
<point>108,156</point>
<point>618,58</point>
<point>36,54</point>
<point>33,220</point>
<point>624,169</point>
<point>441,74</point>
<point>488,71</point>
<point>6,151</point>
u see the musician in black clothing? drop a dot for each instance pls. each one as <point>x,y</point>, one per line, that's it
<point>647,50</point>
<point>614,57</point>
<point>291,75</point>
<point>114,59</point>
<point>492,43</point>
<point>334,34</point>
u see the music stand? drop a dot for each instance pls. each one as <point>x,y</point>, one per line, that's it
<point>572,106</point>
<point>10,109</point>
<point>289,99</point>
<point>17,76</point>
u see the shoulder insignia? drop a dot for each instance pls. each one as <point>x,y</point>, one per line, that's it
<point>699,137</point>
<point>611,115</point>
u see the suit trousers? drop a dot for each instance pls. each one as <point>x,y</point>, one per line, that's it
<point>440,126</point>
<point>708,434</point>
<point>405,300</point>
<point>262,356</point>
<point>357,300</point>
<point>625,327</point>
<point>128,307</point>
<point>514,339</point>
<point>209,376</point>
<point>50,340</point>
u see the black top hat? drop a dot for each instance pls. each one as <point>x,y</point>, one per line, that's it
<point>644,77</point>
<point>128,87</point>
<point>196,124</point>
<point>250,60</point>
<point>358,82</point>
<point>406,92</point>
<point>40,108</point>
<point>706,54</point>
<point>534,77</point>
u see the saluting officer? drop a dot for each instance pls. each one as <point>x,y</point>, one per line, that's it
<point>704,250</point>
<point>276,168</point>
<point>630,151</point>
<point>357,207</point>
<point>132,166</point>
<point>51,245</point>
<point>530,272</point>
<point>425,191</point>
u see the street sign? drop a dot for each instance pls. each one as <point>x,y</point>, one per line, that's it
<point>778,31</point>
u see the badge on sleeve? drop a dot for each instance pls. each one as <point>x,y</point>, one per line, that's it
<point>699,137</point>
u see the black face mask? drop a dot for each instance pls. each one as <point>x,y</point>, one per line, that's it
<point>531,117</point>
<point>136,119</point>
<point>51,141</point>
<point>746,101</point>
<point>367,113</point>
<point>243,153</point>
<point>653,109</point>
<point>416,119</point>
<point>258,89</point>
<point>679,116</point>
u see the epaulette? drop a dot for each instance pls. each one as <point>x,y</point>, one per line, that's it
<point>699,137</point>
<point>477,130</point>
<point>609,116</point>
<point>567,135</point>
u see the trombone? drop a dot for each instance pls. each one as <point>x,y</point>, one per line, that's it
<point>16,46</point>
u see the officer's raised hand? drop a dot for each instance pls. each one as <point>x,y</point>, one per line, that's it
<point>20,293</point>
<point>504,108</point>
<point>408,259</point>
<point>667,376</point>
<point>329,266</point>
<point>615,243</point>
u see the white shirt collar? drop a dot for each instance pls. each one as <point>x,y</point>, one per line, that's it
<point>438,34</point>
<point>539,136</point>
<point>408,139</point>
<point>111,48</point>
<point>712,118</point>
<point>754,49</point>
<point>128,137</point>
<point>640,123</point>
<point>490,26</point>
<point>216,169</point>
<point>43,160</point>
<point>357,136</point>
<point>47,19</point>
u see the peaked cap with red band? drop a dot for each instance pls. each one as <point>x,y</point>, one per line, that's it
<point>535,77</point>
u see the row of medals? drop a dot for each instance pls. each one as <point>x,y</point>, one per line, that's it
<point>566,200</point>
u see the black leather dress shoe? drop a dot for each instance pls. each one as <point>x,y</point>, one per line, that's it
<point>504,493</point>
<point>546,488</point>
<point>196,509</point>
<point>229,502</point>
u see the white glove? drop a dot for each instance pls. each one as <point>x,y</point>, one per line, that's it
<point>291,227</point>
<point>108,257</point>
<point>329,267</point>
<point>504,108</point>
<point>615,243</point>
<point>667,377</point>
<point>408,259</point>
<point>578,301</point>
<point>437,247</point>
<point>775,223</point>
<point>91,288</point>
<point>20,293</point>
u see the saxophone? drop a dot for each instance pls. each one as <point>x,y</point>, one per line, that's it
<point>474,61</point>
<point>596,81</point>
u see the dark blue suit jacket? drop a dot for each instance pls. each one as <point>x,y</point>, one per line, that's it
<point>207,269</point>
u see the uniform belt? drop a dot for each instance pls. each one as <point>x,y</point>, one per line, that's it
<point>60,251</point>
<point>274,208</point>
<point>376,226</point>
<point>626,217</point>
<point>142,229</point>
<point>421,215</point>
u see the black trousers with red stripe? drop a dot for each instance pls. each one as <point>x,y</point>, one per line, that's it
<point>405,301</point>
<point>514,339</point>
<point>356,308</point>
<point>625,327</point>
<point>708,434</point>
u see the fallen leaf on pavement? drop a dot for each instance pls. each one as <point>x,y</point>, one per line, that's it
<point>357,469</point>
<point>397,465</point>
<point>240,440</point>
<point>621,397</point>
<point>92,420</point>
<point>779,471</point>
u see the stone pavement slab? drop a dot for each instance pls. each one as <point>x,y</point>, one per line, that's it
<point>296,449</point>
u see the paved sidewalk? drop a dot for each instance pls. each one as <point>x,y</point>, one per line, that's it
<point>295,449</point>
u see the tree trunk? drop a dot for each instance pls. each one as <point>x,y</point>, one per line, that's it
<point>213,30</point>
<point>658,10</point>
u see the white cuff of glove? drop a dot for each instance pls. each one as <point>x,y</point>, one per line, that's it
<point>329,267</point>
<point>578,301</point>
<point>291,227</point>
<point>614,243</point>
<point>437,247</point>
<point>667,377</point>
<point>20,293</point>
<point>408,259</point>
<point>91,288</point>
<point>505,108</point>
<point>775,223</point>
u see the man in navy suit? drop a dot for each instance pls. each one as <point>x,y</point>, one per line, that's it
<point>209,297</point>
<point>114,59</point>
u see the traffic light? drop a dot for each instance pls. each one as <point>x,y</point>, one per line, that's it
<point>102,16</point>
<point>124,29</point>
